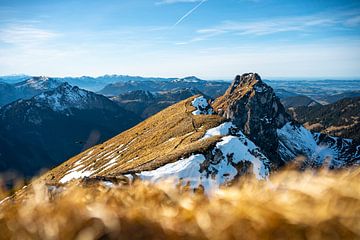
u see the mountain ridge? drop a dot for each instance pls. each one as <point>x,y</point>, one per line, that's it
<point>192,143</point>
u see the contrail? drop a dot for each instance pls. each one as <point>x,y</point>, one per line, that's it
<point>188,13</point>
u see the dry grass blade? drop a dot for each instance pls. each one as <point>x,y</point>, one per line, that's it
<point>292,205</point>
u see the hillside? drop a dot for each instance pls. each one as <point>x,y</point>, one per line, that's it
<point>146,104</point>
<point>163,138</point>
<point>298,101</point>
<point>332,98</point>
<point>47,129</point>
<point>203,145</point>
<point>337,119</point>
<point>7,93</point>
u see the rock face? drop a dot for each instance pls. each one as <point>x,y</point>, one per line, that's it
<point>253,107</point>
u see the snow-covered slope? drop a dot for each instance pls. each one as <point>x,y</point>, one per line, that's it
<point>65,97</point>
<point>39,83</point>
<point>319,149</point>
<point>232,156</point>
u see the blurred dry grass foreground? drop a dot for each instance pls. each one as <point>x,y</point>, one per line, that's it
<point>291,205</point>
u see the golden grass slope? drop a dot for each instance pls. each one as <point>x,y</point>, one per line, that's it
<point>292,205</point>
<point>162,138</point>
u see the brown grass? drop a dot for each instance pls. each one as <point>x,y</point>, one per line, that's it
<point>162,138</point>
<point>292,205</point>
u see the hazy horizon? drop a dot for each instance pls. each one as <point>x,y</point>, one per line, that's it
<point>270,78</point>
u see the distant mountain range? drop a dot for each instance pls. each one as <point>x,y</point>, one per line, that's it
<point>86,82</point>
<point>48,128</point>
<point>210,88</point>
<point>322,91</point>
<point>145,103</point>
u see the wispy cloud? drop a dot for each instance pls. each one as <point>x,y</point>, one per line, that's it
<point>353,22</point>
<point>280,25</point>
<point>188,13</point>
<point>23,34</point>
<point>268,27</point>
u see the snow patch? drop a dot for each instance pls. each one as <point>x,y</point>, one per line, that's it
<point>202,106</point>
<point>221,130</point>
<point>187,170</point>
<point>75,175</point>
<point>110,164</point>
<point>4,200</point>
<point>239,152</point>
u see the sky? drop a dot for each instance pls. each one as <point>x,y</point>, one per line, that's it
<point>211,39</point>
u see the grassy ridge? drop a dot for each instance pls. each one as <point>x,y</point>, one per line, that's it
<point>292,205</point>
<point>163,138</point>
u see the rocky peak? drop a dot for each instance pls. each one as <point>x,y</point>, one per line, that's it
<point>39,83</point>
<point>254,108</point>
<point>245,80</point>
<point>66,96</point>
<point>64,87</point>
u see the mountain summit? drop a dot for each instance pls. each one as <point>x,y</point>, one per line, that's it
<point>204,145</point>
<point>254,108</point>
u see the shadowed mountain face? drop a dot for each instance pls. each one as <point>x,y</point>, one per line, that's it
<point>47,129</point>
<point>332,98</point>
<point>298,101</point>
<point>341,119</point>
<point>7,93</point>
<point>199,144</point>
<point>146,104</point>
<point>209,88</point>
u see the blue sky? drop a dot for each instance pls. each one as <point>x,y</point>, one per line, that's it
<point>212,39</point>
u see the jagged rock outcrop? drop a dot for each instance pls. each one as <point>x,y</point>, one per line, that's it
<point>254,108</point>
